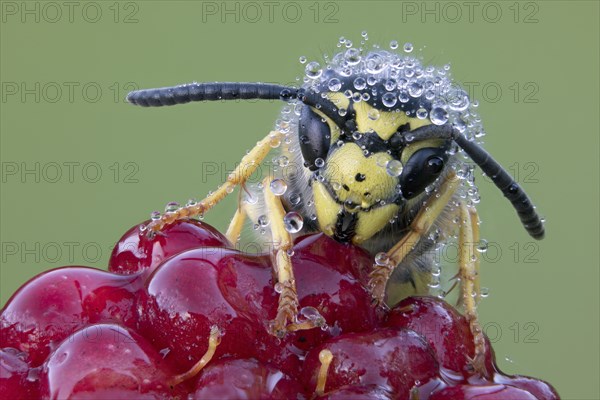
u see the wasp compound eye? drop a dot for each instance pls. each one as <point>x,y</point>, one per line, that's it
<point>421,170</point>
<point>314,135</point>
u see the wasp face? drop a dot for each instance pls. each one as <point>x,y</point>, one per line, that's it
<point>364,172</point>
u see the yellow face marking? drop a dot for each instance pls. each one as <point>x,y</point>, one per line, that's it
<point>326,207</point>
<point>369,223</point>
<point>347,163</point>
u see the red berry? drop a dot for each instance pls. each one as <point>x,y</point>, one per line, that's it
<point>540,389</point>
<point>445,329</point>
<point>106,361</point>
<point>56,303</point>
<point>396,360</point>
<point>484,392</point>
<point>343,257</point>
<point>245,379</point>
<point>199,288</point>
<point>358,393</point>
<point>16,381</point>
<point>184,300</point>
<point>135,252</point>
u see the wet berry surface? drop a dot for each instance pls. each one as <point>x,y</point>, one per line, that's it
<point>78,332</point>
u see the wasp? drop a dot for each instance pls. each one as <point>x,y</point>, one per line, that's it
<point>372,150</point>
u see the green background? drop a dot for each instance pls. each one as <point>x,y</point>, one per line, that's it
<point>542,311</point>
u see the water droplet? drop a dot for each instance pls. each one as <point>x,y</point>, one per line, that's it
<point>283,161</point>
<point>438,116</point>
<point>278,187</point>
<point>482,246</point>
<point>422,113</point>
<point>381,160</point>
<point>374,63</point>
<point>356,135</point>
<point>155,216</point>
<point>382,259</point>
<point>403,97</point>
<point>484,292</point>
<point>313,70</point>
<point>415,89</point>
<point>263,221</point>
<point>360,83</point>
<point>364,34</point>
<point>394,168</point>
<point>389,99</point>
<point>334,84</point>
<point>408,47</point>
<point>278,288</point>
<point>319,162</point>
<point>394,44</point>
<point>293,222</point>
<point>342,112</point>
<point>352,56</point>
<point>373,114</point>
<point>295,199</point>
<point>302,59</point>
<point>171,206</point>
<point>390,84</point>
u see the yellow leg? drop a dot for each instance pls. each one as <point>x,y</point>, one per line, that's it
<point>235,226</point>
<point>468,263</point>
<point>287,310</point>
<point>247,166</point>
<point>420,226</point>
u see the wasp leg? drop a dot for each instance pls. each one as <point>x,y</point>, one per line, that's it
<point>287,310</point>
<point>468,263</point>
<point>236,225</point>
<point>248,165</point>
<point>422,223</point>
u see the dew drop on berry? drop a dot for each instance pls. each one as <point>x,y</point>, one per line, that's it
<point>278,187</point>
<point>155,216</point>
<point>293,222</point>
<point>394,168</point>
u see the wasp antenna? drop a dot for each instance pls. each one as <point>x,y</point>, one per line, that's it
<point>210,91</point>
<point>502,179</point>
<point>511,189</point>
